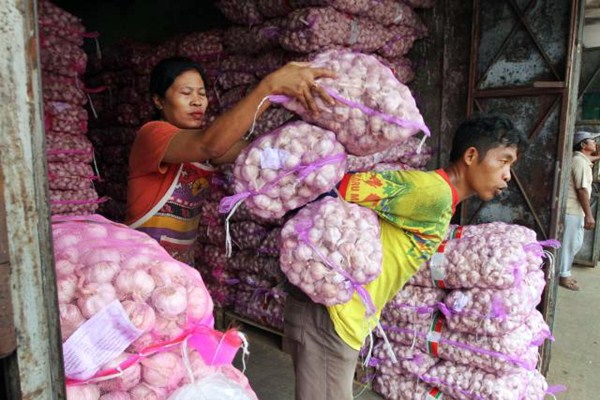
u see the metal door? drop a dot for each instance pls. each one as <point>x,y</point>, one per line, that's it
<point>524,61</point>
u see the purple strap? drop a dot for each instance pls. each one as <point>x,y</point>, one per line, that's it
<point>506,357</point>
<point>444,309</point>
<point>553,243</point>
<point>374,362</point>
<point>270,32</point>
<point>498,309</point>
<point>302,228</point>
<point>227,203</point>
<point>534,248</point>
<point>518,274</point>
<point>386,117</point>
<point>418,359</point>
<point>367,110</point>
<point>554,389</point>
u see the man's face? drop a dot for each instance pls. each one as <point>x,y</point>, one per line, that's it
<point>489,176</point>
<point>591,145</point>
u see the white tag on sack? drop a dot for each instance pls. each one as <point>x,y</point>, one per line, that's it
<point>273,158</point>
<point>435,266</point>
<point>434,336</point>
<point>460,303</point>
<point>98,341</point>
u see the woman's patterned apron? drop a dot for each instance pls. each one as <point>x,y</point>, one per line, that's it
<point>173,222</point>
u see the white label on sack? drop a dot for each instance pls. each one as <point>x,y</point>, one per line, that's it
<point>399,13</point>
<point>273,158</point>
<point>434,336</point>
<point>460,302</point>
<point>435,266</point>
<point>98,341</point>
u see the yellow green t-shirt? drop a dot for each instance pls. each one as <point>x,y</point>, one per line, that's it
<point>414,209</point>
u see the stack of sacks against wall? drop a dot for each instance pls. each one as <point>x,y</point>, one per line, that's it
<point>69,152</point>
<point>466,324</point>
<point>250,281</point>
<point>111,279</point>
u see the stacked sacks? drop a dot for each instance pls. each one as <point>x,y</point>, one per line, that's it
<point>120,111</point>
<point>69,152</point>
<point>248,282</point>
<point>259,294</point>
<point>210,257</point>
<point>114,279</point>
<point>475,312</point>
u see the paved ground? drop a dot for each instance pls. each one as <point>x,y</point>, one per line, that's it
<point>575,355</point>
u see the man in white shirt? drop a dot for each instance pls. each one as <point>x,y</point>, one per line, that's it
<point>579,213</point>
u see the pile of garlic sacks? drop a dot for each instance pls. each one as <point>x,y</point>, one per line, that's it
<point>69,152</point>
<point>250,282</point>
<point>159,305</point>
<point>466,324</point>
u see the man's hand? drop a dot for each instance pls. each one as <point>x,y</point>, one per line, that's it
<point>589,222</point>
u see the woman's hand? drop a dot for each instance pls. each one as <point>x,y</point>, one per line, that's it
<point>297,80</point>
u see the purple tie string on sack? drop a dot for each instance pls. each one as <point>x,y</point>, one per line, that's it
<point>457,343</point>
<point>513,359</point>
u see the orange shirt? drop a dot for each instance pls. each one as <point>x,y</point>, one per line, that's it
<point>149,178</point>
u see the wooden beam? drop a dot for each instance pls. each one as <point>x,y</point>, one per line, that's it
<point>36,369</point>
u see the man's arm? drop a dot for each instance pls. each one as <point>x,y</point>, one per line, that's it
<point>584,199</point>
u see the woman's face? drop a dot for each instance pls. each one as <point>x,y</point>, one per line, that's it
<point>185,101</point>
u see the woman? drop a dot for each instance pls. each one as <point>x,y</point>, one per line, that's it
<point>166,176</point>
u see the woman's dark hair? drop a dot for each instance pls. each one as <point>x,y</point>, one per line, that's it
<point>167,70</point>
<point>486,132</point>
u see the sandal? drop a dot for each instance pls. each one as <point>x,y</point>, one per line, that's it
<point>568,283</point>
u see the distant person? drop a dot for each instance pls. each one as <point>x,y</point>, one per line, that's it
<point>579,213</point>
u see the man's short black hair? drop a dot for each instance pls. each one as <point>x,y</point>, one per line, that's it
<point>485,132</point>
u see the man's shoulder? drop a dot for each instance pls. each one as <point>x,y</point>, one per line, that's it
<point>580,160</point>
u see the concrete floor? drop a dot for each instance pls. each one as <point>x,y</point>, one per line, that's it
<point>575,355</point>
